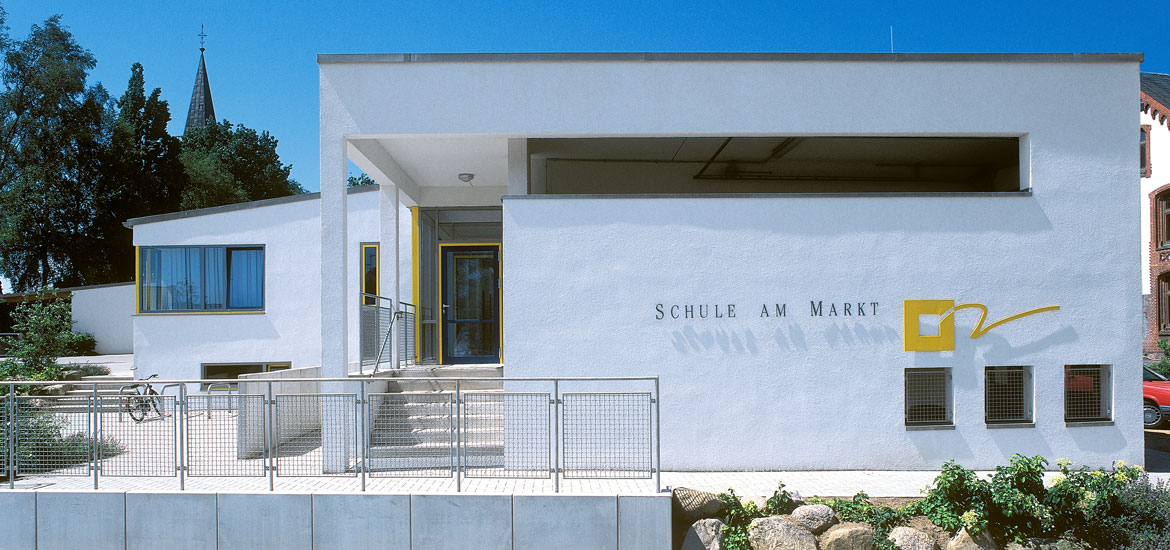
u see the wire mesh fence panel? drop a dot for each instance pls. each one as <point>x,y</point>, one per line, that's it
<point>4,437</point>
<point>315,435</point>
<point>406,336</point>
<point>411,435</point>
<point>55,436</point>
<point>606,435</point>
<point>146,447</point>
<point>225,435</point>
<point>506,435</point>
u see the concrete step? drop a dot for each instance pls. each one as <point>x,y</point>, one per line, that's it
<point>458,371</point>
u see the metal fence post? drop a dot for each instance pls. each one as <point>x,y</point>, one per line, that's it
<point>657,439</point>
<point>95,443</point>
<point>361,423</point>
<point>11,429</point>
<point>556,435</point>
<point>268,420</point>
<point>458,440</point>
<point>181,435</point>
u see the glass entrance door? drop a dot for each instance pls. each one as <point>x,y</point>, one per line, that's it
<point>471,303</point>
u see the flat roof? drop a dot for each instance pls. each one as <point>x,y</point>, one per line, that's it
<point>333,58</point>
<point>238,206</point>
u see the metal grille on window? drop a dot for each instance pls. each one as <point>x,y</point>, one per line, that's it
<point>55,436</point>
<point>506,435</point>
<point>607,435</point>
<point>927,396</point>
<point>1085,398</point>
<point>145,448</point>
<point>411,435</point>
<point>315,435</point>
<point>1006,393</point>
<point>225,435</point>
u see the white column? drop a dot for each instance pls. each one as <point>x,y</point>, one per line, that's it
<point>388,253</point>
<point>334,279</point>
<point>517,166</point>
<point>337,441</point>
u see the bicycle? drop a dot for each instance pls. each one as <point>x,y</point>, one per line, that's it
<point>143,399</point>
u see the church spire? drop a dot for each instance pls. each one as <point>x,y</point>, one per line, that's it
<point>201,110</point>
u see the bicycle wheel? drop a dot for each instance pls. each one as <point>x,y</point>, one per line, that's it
<point>138,408</point>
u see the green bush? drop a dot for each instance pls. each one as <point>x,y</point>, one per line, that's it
<point>45,324</point>
<point>738,516</point>
<point>958,498</point>
<point>43,445</point>
<point>860,509</point>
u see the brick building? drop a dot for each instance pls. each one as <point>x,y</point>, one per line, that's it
<point>1155,185</point>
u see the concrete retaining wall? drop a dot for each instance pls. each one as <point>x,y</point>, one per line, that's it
<point>191,520</point>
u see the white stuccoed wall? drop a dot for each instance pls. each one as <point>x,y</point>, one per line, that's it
<point>289,329</point>
<point>581,277</point>
<point>106,311</point>
<point>1159,177</point>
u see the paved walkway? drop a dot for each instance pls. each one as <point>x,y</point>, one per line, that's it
<point>807,483</point>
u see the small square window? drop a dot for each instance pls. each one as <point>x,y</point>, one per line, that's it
<point>1008,395</point>
<point>928,397</point>
<point>1087,393</point>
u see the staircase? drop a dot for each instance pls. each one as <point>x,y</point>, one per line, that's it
<point>73,396</point>
<point>413,428</point>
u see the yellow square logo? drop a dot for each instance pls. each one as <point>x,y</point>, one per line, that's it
<point>913,310</point>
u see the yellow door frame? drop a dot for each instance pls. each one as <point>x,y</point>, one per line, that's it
<point>499,292</point>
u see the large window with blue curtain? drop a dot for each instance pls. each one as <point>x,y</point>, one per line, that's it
<point>200,278</point>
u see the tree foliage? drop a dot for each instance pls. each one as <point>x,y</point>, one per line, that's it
<point>75,164</point>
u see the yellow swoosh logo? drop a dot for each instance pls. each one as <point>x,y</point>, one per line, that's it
<point>980,330</point>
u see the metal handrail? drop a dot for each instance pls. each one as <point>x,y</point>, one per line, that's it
<point>258,429</point>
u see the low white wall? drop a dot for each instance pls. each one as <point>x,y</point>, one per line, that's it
<point>203,521</point>
<point>106,311</point>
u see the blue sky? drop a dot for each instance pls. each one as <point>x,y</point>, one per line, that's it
<point>262,66</point>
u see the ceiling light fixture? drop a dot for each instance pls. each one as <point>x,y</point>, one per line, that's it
<point>466,177</point>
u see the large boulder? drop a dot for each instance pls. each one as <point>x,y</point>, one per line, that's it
<point>705,534</point>
<point>940,536</point>
<point>814,517</point>
<point>774,533</point>
<point>965,541</point>
<point>909,538</point>
<point>689,506</point>
<point>848,536</point>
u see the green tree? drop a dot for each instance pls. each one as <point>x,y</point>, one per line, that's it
<point>228,163</point>
<point>53,133</point>
<point>143,174</point>
<point>358,181</point>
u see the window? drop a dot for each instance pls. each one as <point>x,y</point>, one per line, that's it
<point>1008,395</point>
<point>1163,303</point>
<point>369,274</point>
<point>1145,151</point>
<point>928,397</point>
<point>200,279</point>
<point>233,371</point>
<point>1087,393</point>
<point>1162,219</point>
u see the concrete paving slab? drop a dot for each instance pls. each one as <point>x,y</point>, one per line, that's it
<point>567,522</point>
<point>644,522</point>
<point>91,520</point>
<point>20,519</point>
<point>452,522</point>
<point>174,520</point>
<point>361,521</point>
<point>265,520</point>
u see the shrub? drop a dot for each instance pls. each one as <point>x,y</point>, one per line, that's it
<point>1016,511</point>
<point>43,445</point>
<point>80,343</point>
<point>45,325</point>
<point>738,516</point>
<point>958,498</point>
<point>860,509</point>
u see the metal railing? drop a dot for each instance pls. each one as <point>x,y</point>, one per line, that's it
<point>380,323</point>
<point>518,428</point>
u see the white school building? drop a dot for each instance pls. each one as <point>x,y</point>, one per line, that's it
<point>832,261</point>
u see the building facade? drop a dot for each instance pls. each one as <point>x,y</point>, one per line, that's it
<point>1154,147</point>
<point>831,261</point>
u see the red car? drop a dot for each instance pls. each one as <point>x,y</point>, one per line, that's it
<point>1155,399</point>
